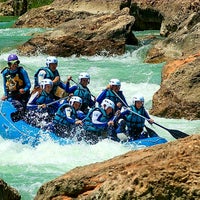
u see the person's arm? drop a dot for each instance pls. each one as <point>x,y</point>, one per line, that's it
<point>56,80</point>
<point>150,120</point>
<point>101,96</point>
<point>41,75</point>
<point>80,115</point>
<point>95,119</point>
<point>26,81</point>
<point>4,85</point>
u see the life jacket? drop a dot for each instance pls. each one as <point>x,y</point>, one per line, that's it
<point>57,90</point>
<point>14,81</point>
<point>60,116</point>
<point>134,121</point>
<point>46,98</point>
<point>89,126</point>
<point>85,94</point>
<point>110,95</point>
<point>49,74</point>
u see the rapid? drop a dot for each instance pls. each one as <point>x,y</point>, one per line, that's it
<point>26,168</point>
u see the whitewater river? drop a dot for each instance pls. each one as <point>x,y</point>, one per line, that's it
<point>27,168</point>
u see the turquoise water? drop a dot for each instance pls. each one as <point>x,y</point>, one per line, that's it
<point>27,168</point>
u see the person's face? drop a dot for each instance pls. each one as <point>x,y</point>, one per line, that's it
<point>84,82</point>
<point>116,88</point>
<point>76,105</point>
<point>53,66</point>
<point>48,88</point>
<point>138,104</point>
<point>109,110</point>
<point>13,65</point>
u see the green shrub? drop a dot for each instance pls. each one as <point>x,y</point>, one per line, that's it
<point>38,3</point>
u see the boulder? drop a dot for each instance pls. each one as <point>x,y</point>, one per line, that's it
<point>179,94</point>
<point>105,34</point>
<point>6,8</point>
<point>7,192</point>
<point>167,171</point>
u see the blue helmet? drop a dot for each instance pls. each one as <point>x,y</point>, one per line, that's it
<point>13,58</point>
<point>115,81</point>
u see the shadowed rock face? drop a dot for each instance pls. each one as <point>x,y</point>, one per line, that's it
<point>7,192</point>
<point>167,171</point>
<point>179,94</point>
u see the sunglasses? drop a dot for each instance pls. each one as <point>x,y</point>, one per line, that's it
<point>12,62</point>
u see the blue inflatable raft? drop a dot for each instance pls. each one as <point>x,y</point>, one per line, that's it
<point>22,132</point>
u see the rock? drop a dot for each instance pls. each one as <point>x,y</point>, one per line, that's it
<point>179,94</point>
<point>7,192</point>
<point>6,8</point>
<point>167,171</point>
<point>182,43</point>
<point>101,34</point>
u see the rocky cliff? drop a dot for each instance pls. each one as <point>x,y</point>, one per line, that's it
<point>163,172</point>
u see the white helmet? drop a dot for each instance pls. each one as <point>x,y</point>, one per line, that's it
<point>75,99</point>
<point>138,98</point>
<point>45,82</point>
<point>115,82</point>
<point>106,103</point>
<point>84,75</point>
<point>51,59</point>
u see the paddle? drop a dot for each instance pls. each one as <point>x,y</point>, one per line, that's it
<point>175,133</point>
<point>48,104</point>
<point>151,132</point>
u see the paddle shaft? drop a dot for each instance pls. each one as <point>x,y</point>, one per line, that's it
<point>48,104</point>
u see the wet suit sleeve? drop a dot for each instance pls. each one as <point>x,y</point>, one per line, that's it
<point>95,119</point>
<point>80,115</point>
<point>67,87</point>
<point>101,96</point>
<point>4,84</point>
<point>146,114</point>
<point>41,75</point>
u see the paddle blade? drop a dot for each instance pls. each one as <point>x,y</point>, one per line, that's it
<point>16,116</point>
<point>177,134</point>
<point>151,132</point>
<point>122,137</point>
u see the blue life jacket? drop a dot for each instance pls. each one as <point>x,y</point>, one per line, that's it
<point>134,121</point>
<point>49,74</point>
<point>17,79</point>
<point>62,119</point>
<point>85,94</point>
<point>110,95</point>
<point>89,126</point>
